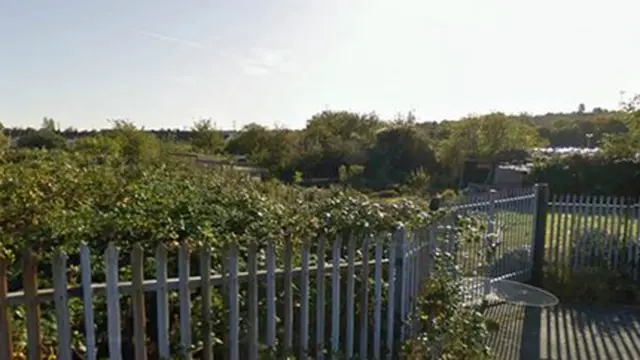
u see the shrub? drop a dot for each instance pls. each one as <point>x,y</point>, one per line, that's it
<point>449,329</point>
<point>53,200</point>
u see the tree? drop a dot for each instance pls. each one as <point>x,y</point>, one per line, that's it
<point>486,137</point>
<point>206,138</point>
<point>625,145</point>
<point>250,141</point>
<point>398,151</point>
<point>49,124</point>
<point>581,108</point>
<point>42,139</point>
<point>335,138</point>
<point>4,139</point>
<point>136,146</point>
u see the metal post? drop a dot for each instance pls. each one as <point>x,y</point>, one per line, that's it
<point>540,232</point>
<point>490,233</point>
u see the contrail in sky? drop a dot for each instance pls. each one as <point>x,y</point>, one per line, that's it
<point>171,39</point>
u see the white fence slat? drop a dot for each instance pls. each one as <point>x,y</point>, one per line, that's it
<point>63,328</point>
<point>113,304</point>
<point>572,211</point>
<point>377,321</point>
<point>587,212</point>
<point>162,300</point>
<point>607,243</point>
<point>184,272</point>
<point>271,295</point>
<point>598,243</point>
<point>364,324</point>
<point>578,203</point>
<point>288,296</point>
<point>320,329</point>
<point>566,210</point>
<point>619,231</point>
<point>409,280</point>
<point>402,276</point>
<point>557,238</point>
<point>351,250</point>
<point>612,237</point>
<point>531,206</point>
<point>254,340</point>
<point>391,293</point>
<point>304,301</point>
<point>553,235</point>
<point>30,280</point>
<point>234,313</point>
<point>205,288</point>
<point>364,311</point>
<point>335,295</point>
<point>137,300</point>
<point>629,230</point>
<point>628,227</point>
<point>87,303</point>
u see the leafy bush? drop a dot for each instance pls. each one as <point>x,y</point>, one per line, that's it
<point>449,195</point>
<point>449,329</point>
<point>97,194</point>
<point>42,139</point>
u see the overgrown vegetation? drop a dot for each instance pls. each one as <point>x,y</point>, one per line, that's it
<point>122,188</point>
<point>449,328</point>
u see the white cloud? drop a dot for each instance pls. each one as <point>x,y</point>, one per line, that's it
<point>171,39</point>
<point>184,79</point>
<point>261,61</point>
<point>255,70</point>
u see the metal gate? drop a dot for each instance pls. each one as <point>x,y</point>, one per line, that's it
<point>505,252</point>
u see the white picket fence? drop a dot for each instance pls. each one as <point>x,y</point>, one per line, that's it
<point>410,254</point>
<point>274,296</point>
<point>594,231</point>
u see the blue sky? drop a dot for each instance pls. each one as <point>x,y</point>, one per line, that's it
<point>166,63</point>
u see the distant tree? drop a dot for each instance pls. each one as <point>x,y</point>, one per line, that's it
<point>42,139</point>
<point>581,108</point>
<point>136,145</point>
<point>49,124</point>
<point>4,139</point>
<point>206,138</point>
<point>485,137</point>
<point>250,141</point>
<point>335,138</point>
<point>627,144</point>
<point>398,152</point>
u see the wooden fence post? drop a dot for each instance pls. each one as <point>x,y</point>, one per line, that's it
<point>30,274</point>
<point>539,233</point>
<point>5,316</point>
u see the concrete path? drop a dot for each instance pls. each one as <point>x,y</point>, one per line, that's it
<point>565,333</point>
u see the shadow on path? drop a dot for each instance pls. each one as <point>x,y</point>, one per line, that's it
<point>566,332</point>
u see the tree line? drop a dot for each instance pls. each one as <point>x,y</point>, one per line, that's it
<point>366,151</point>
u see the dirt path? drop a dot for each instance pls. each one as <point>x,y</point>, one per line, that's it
<point>565,333</point>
